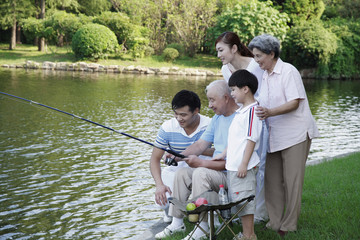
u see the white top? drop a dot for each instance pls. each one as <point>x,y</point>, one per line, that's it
<point>283,85</point>
<point>253,67</point>
<point>245,126</point>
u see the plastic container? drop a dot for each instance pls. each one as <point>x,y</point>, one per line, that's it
<point>223,200</point>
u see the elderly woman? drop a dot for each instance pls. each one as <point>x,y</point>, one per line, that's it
<point>285,107</point>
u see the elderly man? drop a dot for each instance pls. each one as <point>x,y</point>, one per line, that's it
<point>203,174</point>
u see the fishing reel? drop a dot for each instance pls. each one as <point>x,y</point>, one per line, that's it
<point>171,161</point>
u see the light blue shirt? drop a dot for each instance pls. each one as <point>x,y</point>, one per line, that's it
<point>217,132</point>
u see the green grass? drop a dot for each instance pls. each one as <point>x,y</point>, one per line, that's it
<point>330,204</point>
<point>24,52</point>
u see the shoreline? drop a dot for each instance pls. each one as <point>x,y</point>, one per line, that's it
<point>98,68</point>
<point>95,68</point>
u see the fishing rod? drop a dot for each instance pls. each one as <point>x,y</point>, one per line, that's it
<point>173,162</point>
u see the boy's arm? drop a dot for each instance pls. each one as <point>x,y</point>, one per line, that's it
<point>249,149</point>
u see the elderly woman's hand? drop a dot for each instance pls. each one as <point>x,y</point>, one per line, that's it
<point>262,112</point>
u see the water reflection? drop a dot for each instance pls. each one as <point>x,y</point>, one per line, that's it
<point>61,178</point>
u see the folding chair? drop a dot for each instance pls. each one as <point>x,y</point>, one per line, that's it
<point>212,206</point>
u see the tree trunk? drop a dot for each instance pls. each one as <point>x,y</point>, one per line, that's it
<point>41,46</point>
<point>18,34</point>
<point>13,35</point>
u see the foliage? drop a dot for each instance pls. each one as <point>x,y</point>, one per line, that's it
<point>61,26</point>
<point>70,6</point>
<point>249,19</point>
<point>346,61</point>
<point>309,44</point>
<point>150,14</point>
<point>179,47</point>
<point>14,10</point>
<point>342,8</point>
<point>32,28</point>
<point>118,22</point>
<point>94,41</point>
<point>303,10</point>
<point>94,7</point>
<point>190,21</point>
<point>170,54</point>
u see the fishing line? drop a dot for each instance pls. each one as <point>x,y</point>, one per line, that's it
<point>92,122</point>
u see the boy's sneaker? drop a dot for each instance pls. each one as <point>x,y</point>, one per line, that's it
<point>168,231</point>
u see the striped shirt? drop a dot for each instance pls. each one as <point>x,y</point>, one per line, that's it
<point>172,136</point>
<point>245,126</point>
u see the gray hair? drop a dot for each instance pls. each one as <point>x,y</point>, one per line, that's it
<point>221,86</point>
<point>266,43</point>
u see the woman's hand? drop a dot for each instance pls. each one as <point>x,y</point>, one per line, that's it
<point>262,112</point>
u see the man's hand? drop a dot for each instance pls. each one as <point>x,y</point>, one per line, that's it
<point>194,161</point>
<point>160,194</point>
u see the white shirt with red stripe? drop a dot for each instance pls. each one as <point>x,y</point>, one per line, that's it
<point>245,126</point>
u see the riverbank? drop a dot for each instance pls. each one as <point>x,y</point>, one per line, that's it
<point>330,203</point>
<point>62,59</point>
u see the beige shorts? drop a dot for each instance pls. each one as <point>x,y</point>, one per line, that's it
<point>239,188</point>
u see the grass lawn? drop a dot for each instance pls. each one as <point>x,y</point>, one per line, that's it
<point>330,204</point>
<point>24,52</point>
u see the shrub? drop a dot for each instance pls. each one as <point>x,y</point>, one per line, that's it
<point>61,26</point>
<point>346,62</point>
<point>94,41</point>
<point>309,45</point>
<point>118,22</point>
<point>170,54</point>
<point>149,51</point>
<point>179,47</point>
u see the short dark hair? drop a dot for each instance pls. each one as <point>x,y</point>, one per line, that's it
<point>242,78</point>
<point>186,98</point>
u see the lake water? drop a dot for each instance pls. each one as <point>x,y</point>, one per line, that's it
<point>62,178</point>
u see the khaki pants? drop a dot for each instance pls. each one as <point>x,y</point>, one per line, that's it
<point>194,181</point>
<point>284,178</point>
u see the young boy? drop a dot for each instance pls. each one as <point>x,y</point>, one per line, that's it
<point>243,141</point>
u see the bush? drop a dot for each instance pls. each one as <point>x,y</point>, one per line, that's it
<point>346,62</point>
<point>249,19</point>
<point>61,26</point>
<point>94,41</point>
<point>118,22</point>
<point>170,54</point>
<point>309,45</point>
<point>179,47</point>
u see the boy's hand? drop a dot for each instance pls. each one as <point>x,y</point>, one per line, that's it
<point>242,171</point>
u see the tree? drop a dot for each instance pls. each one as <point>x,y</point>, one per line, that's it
<point>249,19</point>
<point>11,12</point>
<point>94,7</point>
<point>303,10</point>
<point>190,19</point>
<point>152,14</point>
<point>41,46</point>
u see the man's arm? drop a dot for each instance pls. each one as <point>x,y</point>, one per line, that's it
<point>197,148</point>
<point>155,169</point>
<point>195,162</point>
